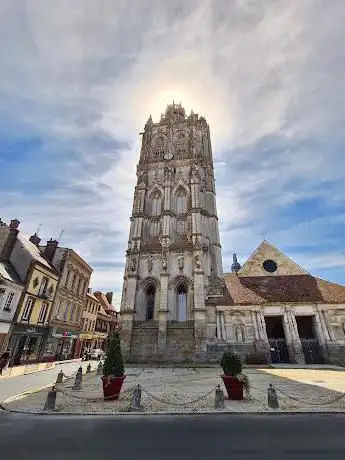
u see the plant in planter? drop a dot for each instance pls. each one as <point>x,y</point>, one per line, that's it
<point>233,378</point>
<point>113,370</point>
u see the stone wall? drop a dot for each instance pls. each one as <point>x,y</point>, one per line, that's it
<point>144,342</point>
<point>180,342</point>
<point>216,350</point>
<point>335,354</point>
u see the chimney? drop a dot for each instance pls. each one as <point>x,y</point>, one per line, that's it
<point>89,290</point>
<point>35,239</point>
<point>50,249</point>
<point>109,296</point>
<point>11,240</point>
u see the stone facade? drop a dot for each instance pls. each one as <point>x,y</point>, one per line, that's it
<point>70,301</point>
<point>176,302</point>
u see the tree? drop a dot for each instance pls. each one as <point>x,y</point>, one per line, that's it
<point>113,364</point>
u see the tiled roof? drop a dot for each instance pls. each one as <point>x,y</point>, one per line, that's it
<point>8,272</point>
<point>33,250</point>
<point>294,288</point>
<point>104,301</point>
<point>89,294</point>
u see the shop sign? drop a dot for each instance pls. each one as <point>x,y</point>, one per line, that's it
<point>67,334</point>
<point>31,330</point>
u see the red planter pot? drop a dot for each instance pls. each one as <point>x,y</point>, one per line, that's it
<point>233,387</point>
<point>112,387</point>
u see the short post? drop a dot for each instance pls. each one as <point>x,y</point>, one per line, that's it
<point>136,398</point>
<point>100,368</point>
<point>272,397</point>
<point>59,378</point>
<point>219,398</point>
<point>88,369</point>
<point>51,400</point>
<point>78,379</point>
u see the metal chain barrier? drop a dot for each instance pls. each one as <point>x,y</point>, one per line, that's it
<point>98,398</point>
<point>193,401</point>
<point>324,403</point>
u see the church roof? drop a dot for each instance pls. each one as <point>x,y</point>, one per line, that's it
<point>249,290</point>
<point>281,280</point>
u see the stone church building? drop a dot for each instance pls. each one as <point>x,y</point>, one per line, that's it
<point>177,304</point>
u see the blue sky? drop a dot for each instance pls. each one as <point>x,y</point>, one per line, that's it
<point>79,79</point>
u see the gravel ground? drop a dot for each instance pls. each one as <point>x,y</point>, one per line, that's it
<point>179,390</point>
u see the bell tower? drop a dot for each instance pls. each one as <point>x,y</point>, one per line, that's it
<point>174,250</point>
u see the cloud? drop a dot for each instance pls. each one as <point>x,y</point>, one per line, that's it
<point>80,79</point>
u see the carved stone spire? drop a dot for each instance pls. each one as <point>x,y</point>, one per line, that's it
<point>236,266</point>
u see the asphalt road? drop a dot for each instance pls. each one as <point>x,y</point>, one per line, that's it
<point>133,437</point>
<point>15,385</point>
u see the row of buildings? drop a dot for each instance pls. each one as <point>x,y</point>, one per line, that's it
<point>47,309</point>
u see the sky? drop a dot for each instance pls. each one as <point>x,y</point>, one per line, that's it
<point>79,79</point>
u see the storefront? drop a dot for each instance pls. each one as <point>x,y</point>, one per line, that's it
<point>26,344</point>
<point>91,341</point>
<point>62,344</point>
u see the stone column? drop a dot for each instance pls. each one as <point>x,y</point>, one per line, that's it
<point>328,325</point>
<point>200,332</point>
<point>163,313</point>
<point>255,326</point>
<point>298,355</point>
<point>219,336</point>
<point>262,343</point>
<point>288,336</point>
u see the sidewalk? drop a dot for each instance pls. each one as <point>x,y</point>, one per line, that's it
<point>186,390</point>
<point>26,369</point>
<point>10,387</point>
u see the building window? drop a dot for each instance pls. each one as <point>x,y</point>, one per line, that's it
<point>150,302</point>
<point>43,313</point>
<point>156,203</point>
<point>2,295</point>
<point>28,309</point>
<point>181,304</point>
<point>78,312</point>
<point>181,200</point>
<point>72,313</point>
<point>65,313</point>
<point>67,277</point>
<point>8,303</point>
<point>43,287</point>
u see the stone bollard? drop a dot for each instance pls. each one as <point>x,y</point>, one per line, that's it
<point>88,369</point>
<point>51,400</point>
<point>78,379</point>
<point>219,398</point>
<point>100,368</point>
<point>136,398</point>
<point>59,378</point>
<point>272,397</point>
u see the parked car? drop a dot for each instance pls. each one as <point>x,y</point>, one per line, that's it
<point>97,353</point>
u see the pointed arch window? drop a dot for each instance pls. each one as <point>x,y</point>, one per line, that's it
<point>181,200</point>
<point>150,302</point>
<point>156,203</point>
<point>181,309</point>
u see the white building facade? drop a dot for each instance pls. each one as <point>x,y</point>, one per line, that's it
<point>11,290</point>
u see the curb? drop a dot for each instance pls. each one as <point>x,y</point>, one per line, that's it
<point>180,414</point>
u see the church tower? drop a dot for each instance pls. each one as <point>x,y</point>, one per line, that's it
<point>174,251</point>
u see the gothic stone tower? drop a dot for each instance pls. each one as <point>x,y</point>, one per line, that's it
<point>174,251</point>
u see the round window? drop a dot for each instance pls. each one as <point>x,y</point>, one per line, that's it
<point>270,266</point>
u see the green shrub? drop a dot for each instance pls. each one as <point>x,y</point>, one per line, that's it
<point>231,363</point>
<point>113,364</point>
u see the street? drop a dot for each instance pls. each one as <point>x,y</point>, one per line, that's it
<point>14,385</point>
<point>297,437</point>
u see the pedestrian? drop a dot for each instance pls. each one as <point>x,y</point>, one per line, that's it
<point>4,359</point>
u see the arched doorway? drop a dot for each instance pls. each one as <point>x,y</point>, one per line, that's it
<point>181,299</point>
<point>150,302</point>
